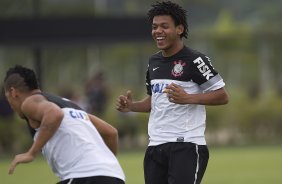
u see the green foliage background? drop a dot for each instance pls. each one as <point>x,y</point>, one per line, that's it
<point>242,38</point>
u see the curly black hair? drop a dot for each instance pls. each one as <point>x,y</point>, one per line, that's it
<point>21,77</point>
<point>177,13</point>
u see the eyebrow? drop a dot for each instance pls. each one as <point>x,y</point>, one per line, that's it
<point>162,23</point>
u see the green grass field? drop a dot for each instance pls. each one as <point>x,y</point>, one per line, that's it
<point>232,165</point>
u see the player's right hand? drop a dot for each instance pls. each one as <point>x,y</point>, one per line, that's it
<point>21,158</point>
<point>124,102</point>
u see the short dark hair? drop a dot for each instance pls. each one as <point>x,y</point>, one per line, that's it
<point>21,77</point>
<point>177,13</point>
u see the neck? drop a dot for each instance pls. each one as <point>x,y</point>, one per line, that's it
<point>29,93</point>
<point>35,91</point>
<point>173,49</point>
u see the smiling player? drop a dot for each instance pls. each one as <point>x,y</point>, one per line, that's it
<point>179,81</point>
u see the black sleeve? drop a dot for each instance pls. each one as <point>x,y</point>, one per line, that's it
<point>148,83</point>
<point>61,102</point>
<point>203,70</point>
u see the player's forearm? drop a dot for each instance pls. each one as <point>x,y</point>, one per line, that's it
<point>48,128</point>
<point>107,132</point>
<point>112,142</point>
<point>141,106</point>
<point>218,97</point>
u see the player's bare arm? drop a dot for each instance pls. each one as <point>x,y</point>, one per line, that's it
<point>176,94</point>
<point>126,104</point>
<point>47,116</point>
<point>107,132</point>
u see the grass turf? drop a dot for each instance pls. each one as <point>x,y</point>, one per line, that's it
<point>232,165</point>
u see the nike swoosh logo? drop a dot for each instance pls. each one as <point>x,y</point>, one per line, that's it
<point>155,68</point>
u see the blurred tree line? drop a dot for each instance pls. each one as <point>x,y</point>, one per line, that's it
<point>243,39</point>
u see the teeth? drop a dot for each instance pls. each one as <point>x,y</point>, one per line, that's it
<point>160,38</point>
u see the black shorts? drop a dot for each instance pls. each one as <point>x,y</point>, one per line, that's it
<point>93,180</point>
<point>175,163</point>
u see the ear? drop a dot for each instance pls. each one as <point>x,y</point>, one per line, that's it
<point>13,92</point>
<point>179,29</point>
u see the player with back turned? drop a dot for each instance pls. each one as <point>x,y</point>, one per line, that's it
<point>180,81</point>
<point>79,147</point>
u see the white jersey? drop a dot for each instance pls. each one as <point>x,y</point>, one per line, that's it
<point>77,150</point>
<point>170,122</point>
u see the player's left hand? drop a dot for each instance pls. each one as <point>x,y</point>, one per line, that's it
<point>175,93</point>
<point>21,158</point>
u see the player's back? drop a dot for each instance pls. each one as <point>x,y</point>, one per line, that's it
<point>76,149</point>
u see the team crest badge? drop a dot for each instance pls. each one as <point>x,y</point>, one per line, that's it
<point>177,70</point>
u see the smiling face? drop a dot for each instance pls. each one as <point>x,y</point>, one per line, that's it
<point>167,35</point>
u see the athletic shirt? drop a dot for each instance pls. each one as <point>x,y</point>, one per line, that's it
<point>76,149</point>
<point>170,122</point>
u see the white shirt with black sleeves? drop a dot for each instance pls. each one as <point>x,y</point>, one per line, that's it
<point>170,122</point>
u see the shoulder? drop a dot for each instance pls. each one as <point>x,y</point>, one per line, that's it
<point>156,56</point>
<point>196,57</point>
<point>37,103</point>
<point>34,99</point>
<point>192,53</point>
<point>33,105</point>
